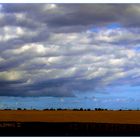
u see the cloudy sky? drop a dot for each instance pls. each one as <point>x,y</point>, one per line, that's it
<point>70,55</point>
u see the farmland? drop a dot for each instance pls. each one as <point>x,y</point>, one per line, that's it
<point>123,117</point>
<point>69,123</point>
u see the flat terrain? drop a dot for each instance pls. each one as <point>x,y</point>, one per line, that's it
<point>122,117</point>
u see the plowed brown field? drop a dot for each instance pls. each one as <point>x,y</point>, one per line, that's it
<point>126,117</point>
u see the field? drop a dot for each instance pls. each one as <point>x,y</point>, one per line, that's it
<point>125,117</point>
<point>69,123</point>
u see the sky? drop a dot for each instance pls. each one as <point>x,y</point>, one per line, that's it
<point>69,56</point>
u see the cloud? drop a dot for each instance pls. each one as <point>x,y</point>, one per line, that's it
<point>51,50</point>
<point>67,17</point>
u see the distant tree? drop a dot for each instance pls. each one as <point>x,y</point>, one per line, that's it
<point>19,109</point>
<point>52,109</point>
<point>88,109</point>
<point>59,108</point>
<point>81,109</point>
<point>99,109</point>
<point>45,109</point>
<point>7,109</point>
<point>75,109</point>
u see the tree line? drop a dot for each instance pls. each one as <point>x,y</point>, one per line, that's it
<point>64,109</point>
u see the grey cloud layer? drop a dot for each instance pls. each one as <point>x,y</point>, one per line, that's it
<point>51,50</point>
<point>65,16</point>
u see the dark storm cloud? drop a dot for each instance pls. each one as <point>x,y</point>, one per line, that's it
<point>83,15</point>
<point>61,50</point>
<point>65,16</point>
<point>11,19</point>
<point>97,15</point>
<point>18,7</point>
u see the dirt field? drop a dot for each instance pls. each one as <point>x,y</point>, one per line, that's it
<point>126,117</point>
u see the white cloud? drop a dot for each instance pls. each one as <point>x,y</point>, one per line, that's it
<point>11,75</point>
